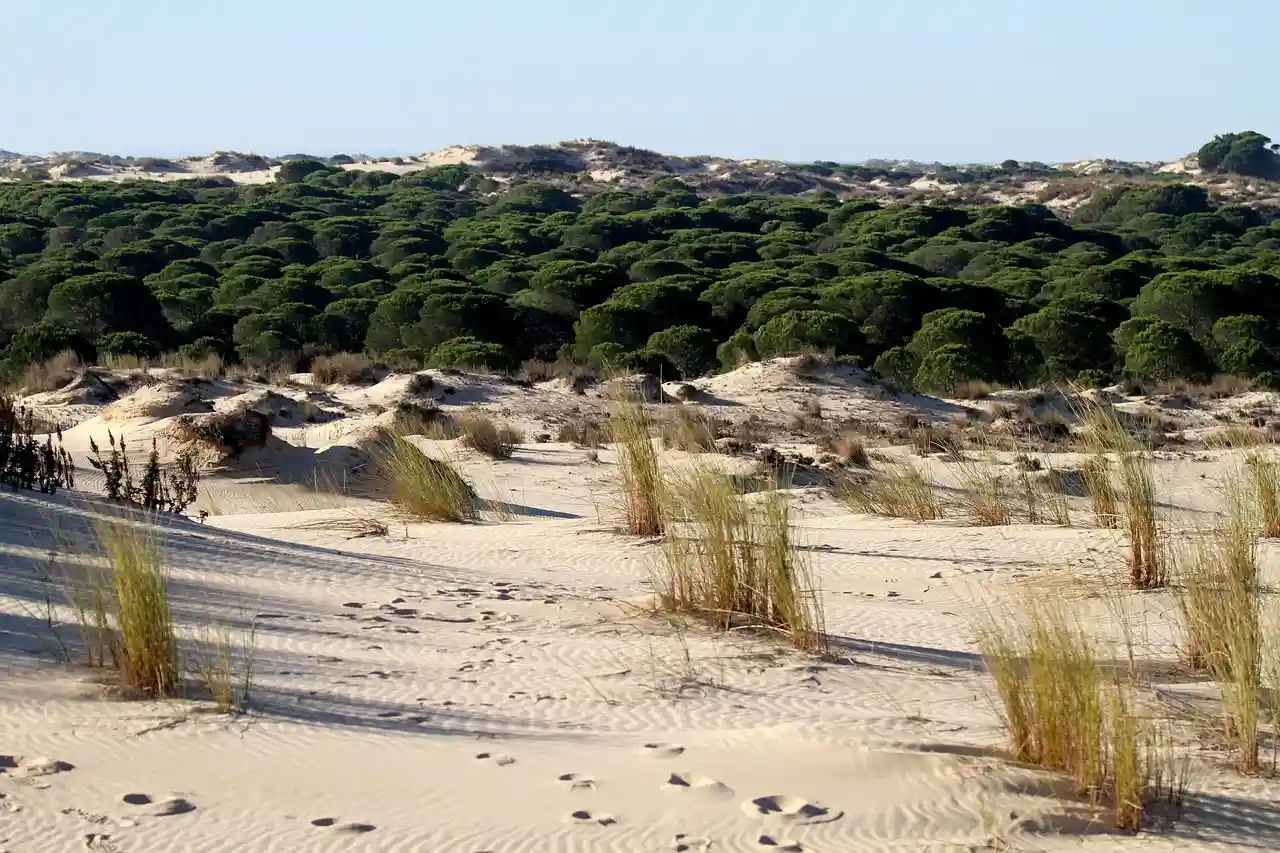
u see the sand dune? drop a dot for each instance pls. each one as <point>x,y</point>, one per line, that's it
<point>498,686</point>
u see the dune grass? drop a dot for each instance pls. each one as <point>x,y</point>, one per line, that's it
<point>136,595</point>
<point>1065,709</point>
<point>1264,477</point>
<point>424,488</point>
<point>898,490</point>
<point>984,498</point>
<point>348,368</point>
<point>640,485</point>
<point>1096,472</point>
<point>225,671</point>
<point>734,562</point>
<point>1104,432</point>
<point>1220,604</point>
<point>481,433</point>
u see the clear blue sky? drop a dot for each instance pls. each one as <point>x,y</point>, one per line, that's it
<point>952,80</point>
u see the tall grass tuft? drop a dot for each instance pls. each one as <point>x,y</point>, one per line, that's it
<point>639,479</point>
<point>228,680</point>
<point>1105,433</point>
<point>734,562</point>
<point>424,488</point>
<point>898,490</point>
<point>345,367</point>
<point>1220,605</point>
<point>145,644</point>
<point>1264,476</point>
<point>1064,710</point>
<point>1096,472</point>
<point>984,497</point>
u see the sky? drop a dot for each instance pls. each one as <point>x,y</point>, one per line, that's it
<point>843,80</point>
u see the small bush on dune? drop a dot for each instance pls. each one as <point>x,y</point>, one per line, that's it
<point>347,368</point>
<point>424,488</point>
<point>26,462</point>
<point>735,563</point>
<point>480,433</point>
<point>170,489</point>
<point>984,497</point>
<point>640,485</point>
<point>584,433</point>
<point>689,431</point>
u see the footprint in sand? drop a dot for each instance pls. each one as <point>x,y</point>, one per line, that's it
<point>29,770</point>
<point>786,845</point>
<point>783,808</point>
<point>693,784</point>
<point>500,760</point>
<point>8,804</point>
<point>346,828</point>
<point>685,843</point>
<point>662,750</point>
<point>160,806</point>
<point>579,781</point>
<point>102,843</point>
<point>584,817</point>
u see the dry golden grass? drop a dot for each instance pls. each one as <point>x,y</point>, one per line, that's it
<point>1264,475</point>
<point>348,368</point>
<point>898,490</point>
<point>1237,436</point>
<point>984,497</point>
<point>1096,472</point>
<point>225,671</point>
<point>138,598</point>
<point>1220,602</point>
<point>640,485</point>
<point>52,374</point>
<point>424,488</point>
<point>688,430</point>
<point>1064,709</point>
<point>481,433</point>
<point>1104,432</point>
<point>734,562</point>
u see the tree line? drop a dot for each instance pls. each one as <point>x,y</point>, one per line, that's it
<point>441,267</point>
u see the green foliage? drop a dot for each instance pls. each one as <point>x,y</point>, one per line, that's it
<point>1162,351</point>
<point>798,331</point>
<point>441,265</point>
<point>1249,153</point>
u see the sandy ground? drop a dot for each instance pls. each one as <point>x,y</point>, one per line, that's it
<point>500,686</point>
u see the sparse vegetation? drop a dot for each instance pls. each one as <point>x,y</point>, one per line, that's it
<point>898,490</point>
<point>162,489</point>
<point>735,562</point>
<point>25,461</point>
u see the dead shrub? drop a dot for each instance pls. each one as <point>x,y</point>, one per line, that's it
<point>481,433</point>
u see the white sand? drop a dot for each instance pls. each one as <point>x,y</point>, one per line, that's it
<point>496,687</point>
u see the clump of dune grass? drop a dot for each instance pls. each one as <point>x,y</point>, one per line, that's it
<point>851,449</point>
<point>50,374</point>
<point>898,490</point>
<point>1237,436</point>
<point>1105,433</point>
<point>348,368</point>
<point>481,433</point>
<point>984,497</point>
<point>1064,710</point>
<point>688,430</point>
<point>734,562</point>
<point>1264,477</point>
<point>424,488</point>
<point>137,593</point>
<point>225,667</point>
<point>640,485</point>
<point>1096,472</point>
<point>1220,603</point>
